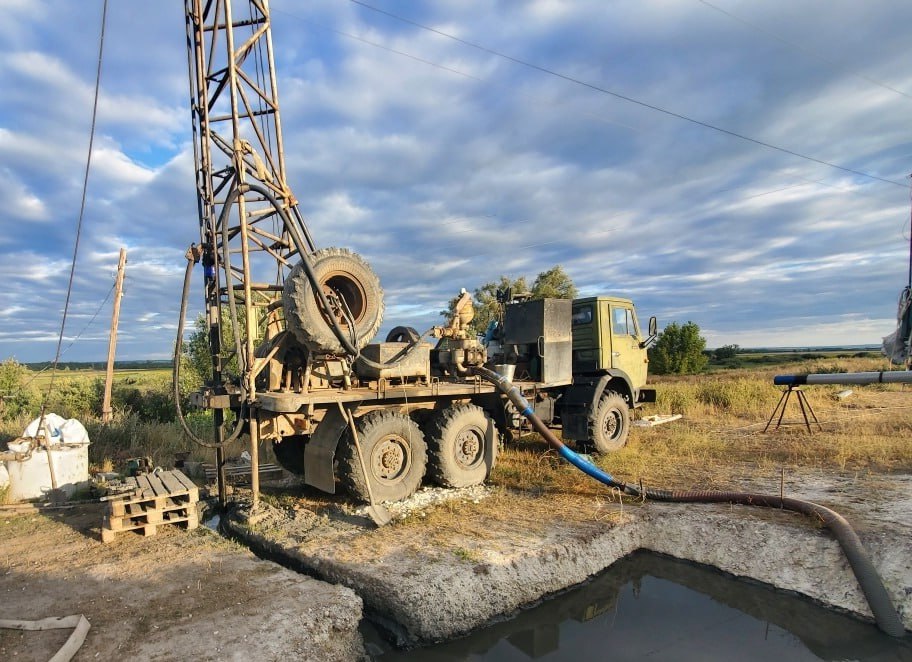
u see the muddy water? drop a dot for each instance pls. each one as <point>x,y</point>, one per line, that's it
<point>656,608</point>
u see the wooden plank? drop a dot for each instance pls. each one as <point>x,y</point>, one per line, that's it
<point>157,485</point>
<point>172,483</point>
<point>143,482</point>
<point>186,482</point>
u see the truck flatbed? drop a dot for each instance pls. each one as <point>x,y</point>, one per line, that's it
<point>289,402</point>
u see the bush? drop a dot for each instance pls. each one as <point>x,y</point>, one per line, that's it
<point>678,350</point>
<point>675,399</point>
<point>78,397</point>
<point>17,397</point>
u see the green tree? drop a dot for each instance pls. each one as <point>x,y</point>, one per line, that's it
<point>678,350</point>
<point>16,395</point>
<point>726,352</point>
<point>197,359</point>
<point>553,283</point>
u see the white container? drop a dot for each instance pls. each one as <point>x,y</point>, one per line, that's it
<point>69,456</point>
<point>31,478</point>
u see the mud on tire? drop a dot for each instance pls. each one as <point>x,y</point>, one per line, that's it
<point>457,440</point>
<point>395,455</point>
<point>349,276</point>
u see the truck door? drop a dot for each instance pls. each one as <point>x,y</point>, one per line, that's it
<point>626,353</point>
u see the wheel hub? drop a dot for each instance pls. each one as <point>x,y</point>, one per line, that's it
<point>390,459</point>
<point>612,424</point>
<point>469,446</point>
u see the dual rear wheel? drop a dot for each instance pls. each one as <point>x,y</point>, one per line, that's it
<point>458,450</point>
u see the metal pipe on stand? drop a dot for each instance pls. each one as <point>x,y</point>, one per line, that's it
<point>885,377</point>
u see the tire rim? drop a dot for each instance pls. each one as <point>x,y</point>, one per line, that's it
<point>350,290</point>
<point>469,448</point>
<point>390,459</point>
<point>612,425</point>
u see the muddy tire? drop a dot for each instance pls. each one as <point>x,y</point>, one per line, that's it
<point>395,455</point>
<point>456,446</point>
<point>345,274</point>
<point>609,424</point>
<point>289,453</point>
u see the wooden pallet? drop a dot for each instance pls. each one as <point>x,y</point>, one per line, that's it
<point>166,497</point>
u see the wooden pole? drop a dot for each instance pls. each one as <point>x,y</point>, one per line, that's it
<point>106,410</point>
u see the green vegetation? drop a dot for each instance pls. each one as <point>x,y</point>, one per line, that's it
<point>553,283</point>
<point>720,444</point>
<point>144,421</point>
<point>678,350</point>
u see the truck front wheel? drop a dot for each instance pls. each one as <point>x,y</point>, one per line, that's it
<point>609,423</point>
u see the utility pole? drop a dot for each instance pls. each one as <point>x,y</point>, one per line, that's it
<point>106,411</point>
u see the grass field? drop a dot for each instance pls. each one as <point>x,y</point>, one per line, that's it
<point>719,438</point>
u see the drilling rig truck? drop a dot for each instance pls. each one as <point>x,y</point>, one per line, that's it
<point>377,416</point>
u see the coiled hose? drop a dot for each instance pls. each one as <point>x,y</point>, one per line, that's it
<point>882,607</point>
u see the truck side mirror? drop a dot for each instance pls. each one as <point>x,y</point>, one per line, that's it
<point>653,332</point>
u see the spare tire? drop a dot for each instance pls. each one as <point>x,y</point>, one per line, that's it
<point>349,277</point>
<point>403,334</point>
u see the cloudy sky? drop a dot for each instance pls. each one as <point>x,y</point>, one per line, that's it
<point>497,142</point>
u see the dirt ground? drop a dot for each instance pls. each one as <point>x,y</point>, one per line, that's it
<point>176,595</point>
<point>195,595</point>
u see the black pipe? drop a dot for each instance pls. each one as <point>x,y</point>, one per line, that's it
<point>885,613</point>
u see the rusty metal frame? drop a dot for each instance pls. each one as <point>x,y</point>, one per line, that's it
<point>237,140</point>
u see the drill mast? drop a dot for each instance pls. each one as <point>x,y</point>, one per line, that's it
<point>248,248</point>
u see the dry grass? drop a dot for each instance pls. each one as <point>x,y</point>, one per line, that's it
<point>720,438</point>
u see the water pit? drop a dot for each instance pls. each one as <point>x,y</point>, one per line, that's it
<point>654,607</point>
<point>480,564</point>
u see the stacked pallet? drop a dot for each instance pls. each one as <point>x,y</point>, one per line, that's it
<point>164,497</point>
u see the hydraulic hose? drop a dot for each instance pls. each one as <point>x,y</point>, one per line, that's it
<point>175,371</point>
<point>881,605</point>
<point>298,240</point>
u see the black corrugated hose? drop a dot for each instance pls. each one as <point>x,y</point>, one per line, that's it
<point>885,614</point>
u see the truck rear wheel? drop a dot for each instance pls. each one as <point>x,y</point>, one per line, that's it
<point>457,445</point>
<point>395,455</point>
<point>609,423</point>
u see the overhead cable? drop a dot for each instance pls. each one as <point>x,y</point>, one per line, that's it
<point>624,97</point>
<point>800,48</point>
<point>85,187</point>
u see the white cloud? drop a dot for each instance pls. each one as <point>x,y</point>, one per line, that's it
<point>445,179</point>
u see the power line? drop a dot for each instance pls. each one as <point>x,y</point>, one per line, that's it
<point>85,187</point>
<point>624,97</point>
<point>51,364</point>
<point>800,48</point>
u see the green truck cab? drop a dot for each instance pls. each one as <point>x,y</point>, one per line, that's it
<point>587,363</point>
<point>610,366</point>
